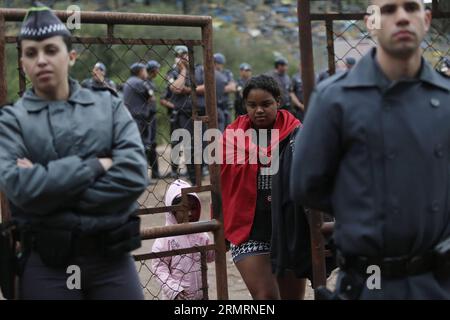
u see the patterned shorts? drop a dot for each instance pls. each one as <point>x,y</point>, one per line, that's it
<point>249,248</point>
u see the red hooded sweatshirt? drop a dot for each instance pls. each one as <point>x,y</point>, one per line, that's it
<point>239,181</point>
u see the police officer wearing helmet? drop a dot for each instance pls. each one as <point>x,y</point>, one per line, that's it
<point>350,62</point>
<point>153,71</point>
<point>245,73</point>
<point>180,95</point>
<point>226,78</point>
<point>280,74</point>
<point>374,152</point>
<point>99,79</point>
<point>72,167</point>
<point>224,85</point>
<point>138,96</point>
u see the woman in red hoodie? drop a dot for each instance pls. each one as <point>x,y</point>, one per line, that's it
<point>246,184</point>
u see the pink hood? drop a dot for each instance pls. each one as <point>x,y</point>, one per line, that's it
<point>173,192</point>
<point>179,272</point>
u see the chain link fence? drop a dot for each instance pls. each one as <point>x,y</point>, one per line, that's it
<point>187,266</point>
<point>119,41</point>
<point>337,37</point>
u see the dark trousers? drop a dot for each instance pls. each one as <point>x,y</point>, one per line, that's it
<point>101,279</point>
<point>173,127</point>
<point>147,129</point>
<point>223,118</point>
<point>152,155</point>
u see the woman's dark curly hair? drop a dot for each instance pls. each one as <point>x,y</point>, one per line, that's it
<point>265,83</point>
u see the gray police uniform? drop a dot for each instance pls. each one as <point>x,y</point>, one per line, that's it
<point>91,83</point>
<point>182,115</point>
<point>285,86</point>
<point>297,88</point>
<point>150,85</point>
<point>66,196</point>
<point>221,79</point>
<point>136,95</point>
<point>225,100</point>
<point>167,95</point>
<point>152,155</point>
<point>375,154</point>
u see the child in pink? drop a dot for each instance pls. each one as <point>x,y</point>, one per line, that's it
<point>180,275</point>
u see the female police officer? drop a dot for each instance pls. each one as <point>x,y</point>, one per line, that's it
<point>72,165</point>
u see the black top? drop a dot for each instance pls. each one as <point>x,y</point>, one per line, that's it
<point>290,244</point>
<point>262,223</point>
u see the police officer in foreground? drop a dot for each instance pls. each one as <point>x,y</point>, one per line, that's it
<point>374,153</point>
<point>72,166</point>
<point>99,79</point>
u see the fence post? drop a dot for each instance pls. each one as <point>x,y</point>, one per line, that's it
<point>214,169</point>
<point>3,85</point>
<point>315,218</point>
<point>195,117</point>
<point>317,249</point>
<point>4,209</point>
<point>306,49</point>
<point>204,268</point>
<point>330,46</point>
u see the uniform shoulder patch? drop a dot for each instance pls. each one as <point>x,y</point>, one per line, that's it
<point>111,90</point>
<point>334,78</point>
<point>443,73</point>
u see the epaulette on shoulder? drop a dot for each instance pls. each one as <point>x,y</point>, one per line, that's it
<point>6,104</point>
<point>111,90</point>
<point>442,73</point>
<point>334,78</point>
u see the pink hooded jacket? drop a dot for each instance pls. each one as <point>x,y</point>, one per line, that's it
<point>180,272</point>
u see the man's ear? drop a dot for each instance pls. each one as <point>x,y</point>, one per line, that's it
<point>72,57</point>
<point>428,18</point>
<point>369,22</point>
